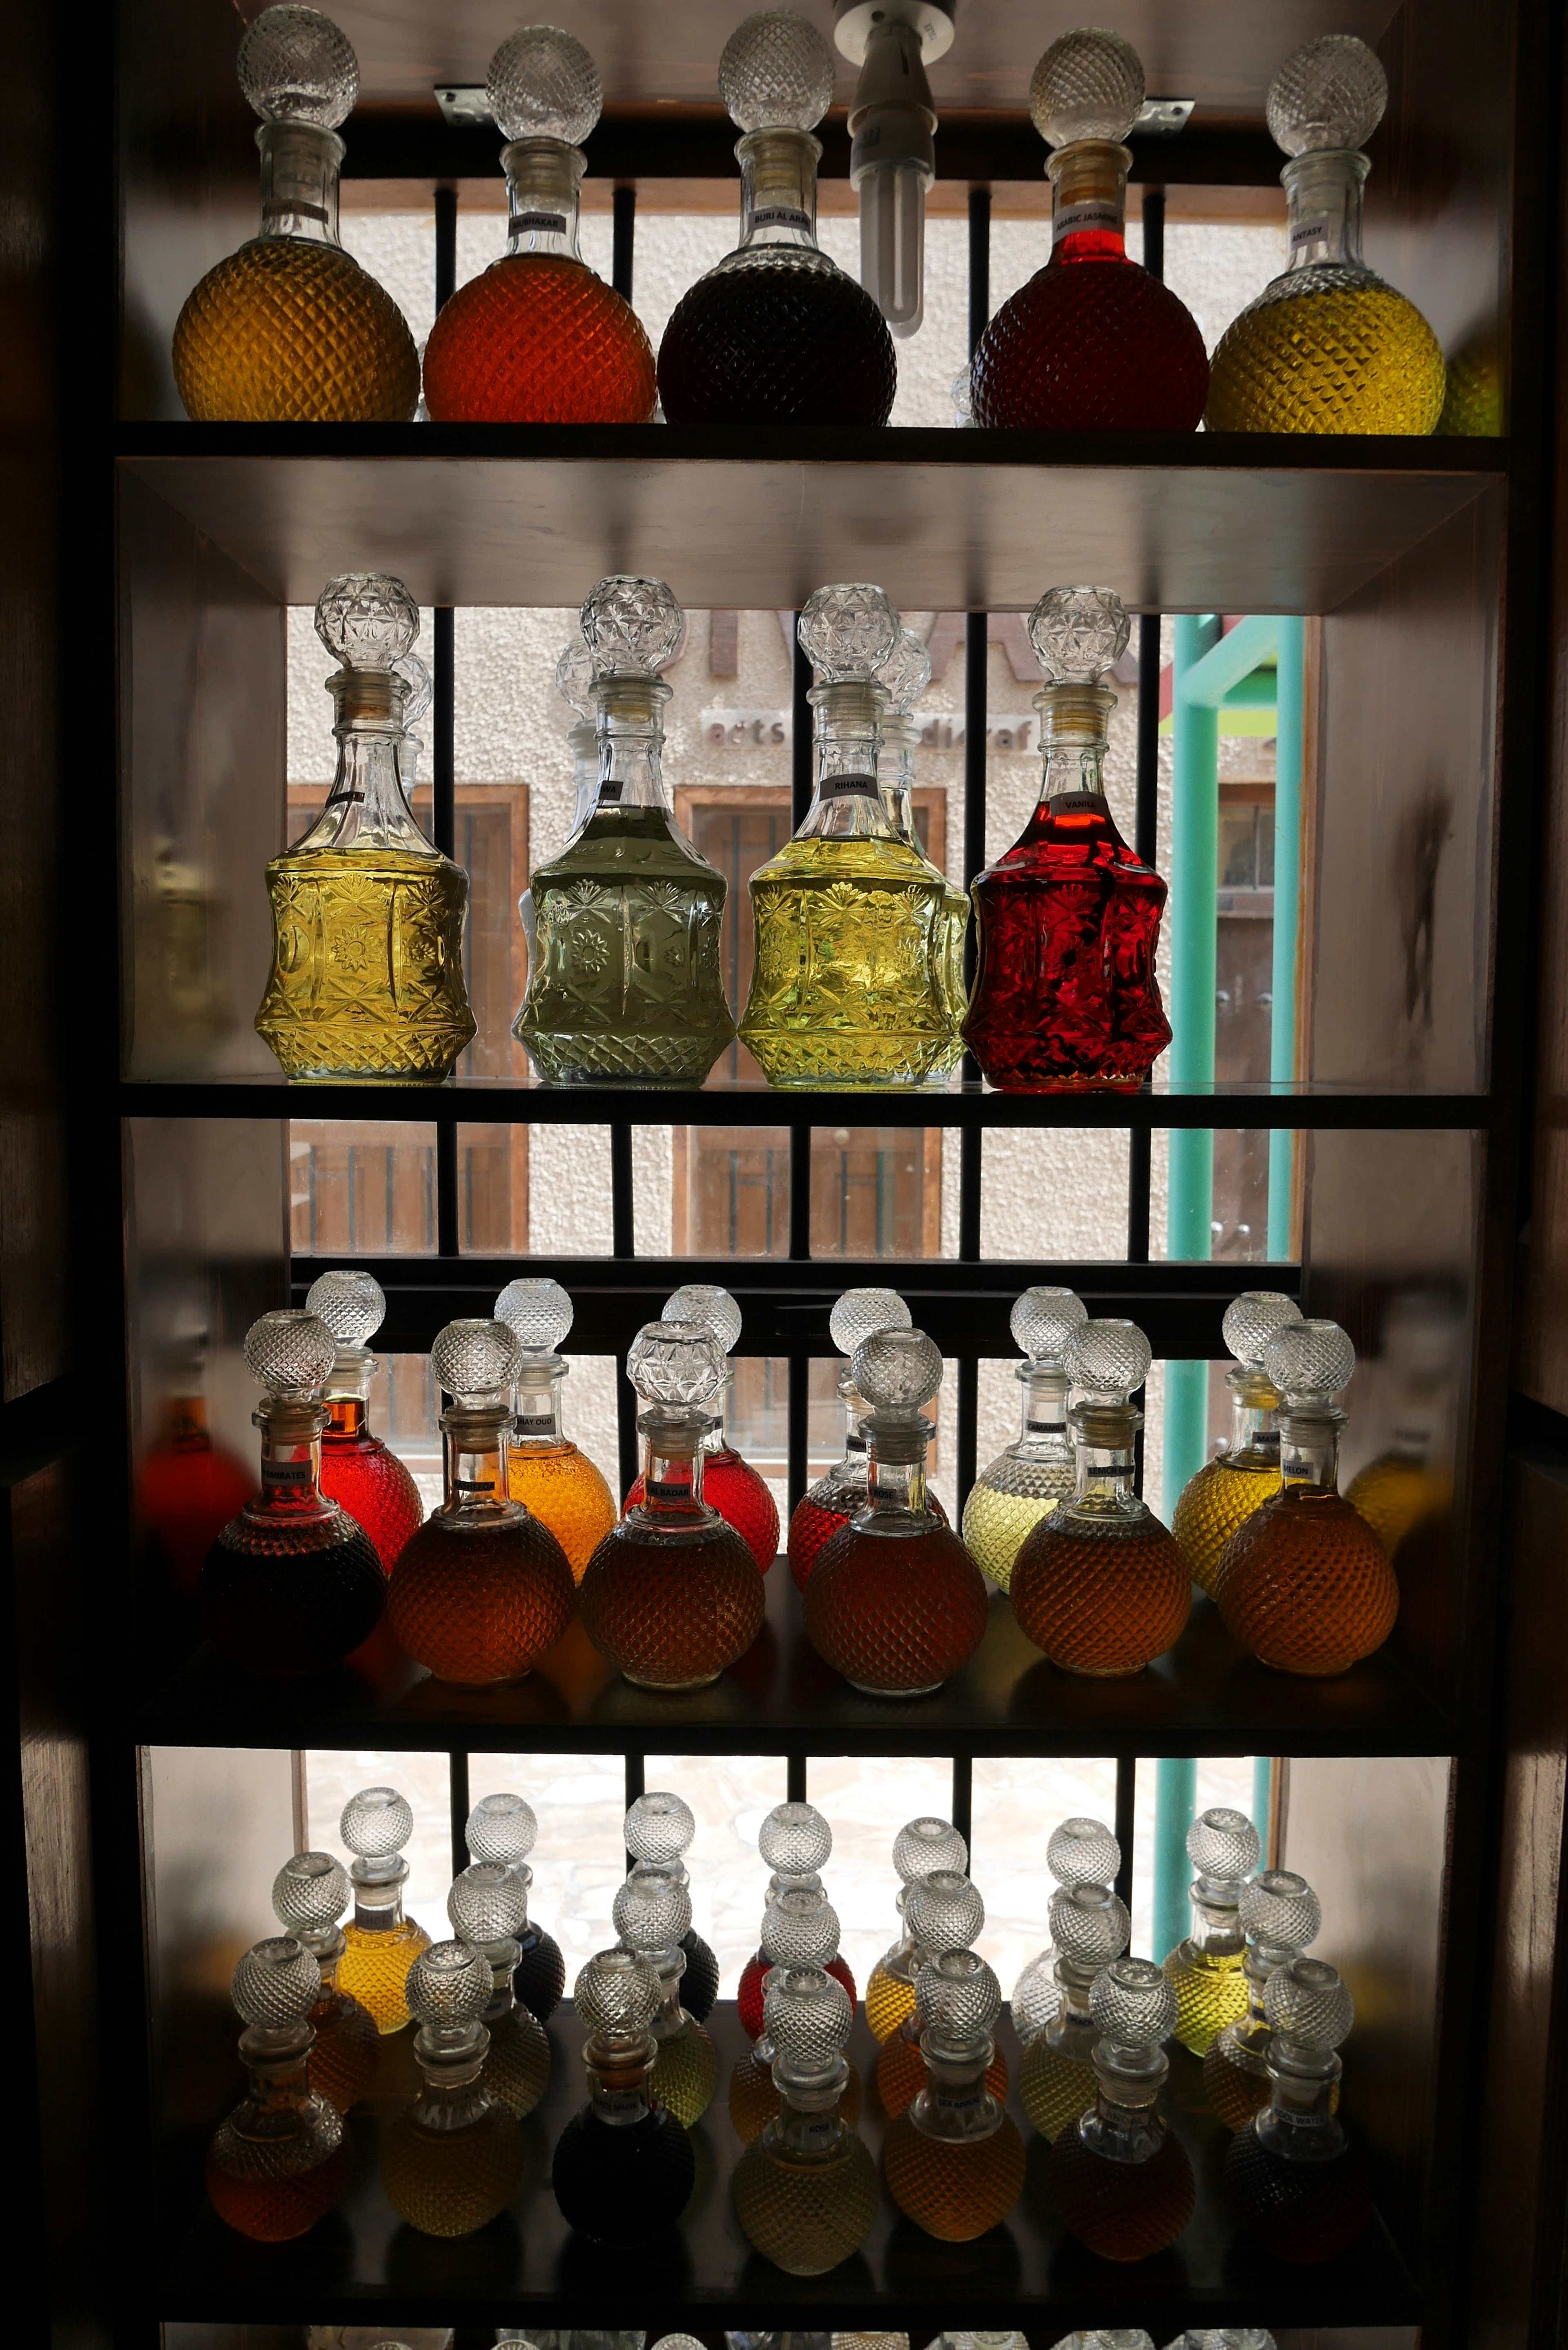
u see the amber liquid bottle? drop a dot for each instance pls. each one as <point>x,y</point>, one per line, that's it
<point>943,1912</point>
<point>1280,1915</point>
<point>1205,1968</point>
<point>1056,2082</point>
<point>280,2161</point>
<point>920,1847</point>
<point>454,2159</point>
<point>624,2168</point>
<point>488,1907</point>
<point>953,2161</point>
<point>1226,1491</point>
<point>1410,1484</point>
<point>805,2189</point>
<point>833,1499</point>
<point>309,1895</point>
<point>730,1485</point>
<point>358,1471</point>
<point>660,1827</point>
<point>1121,2182</point>
<point>379,1944</point>
<point>1297,2184</point>
<point>545,1470</point>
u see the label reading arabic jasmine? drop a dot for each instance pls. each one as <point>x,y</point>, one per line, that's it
<point>536,224</point>
<point>837,787</point>
<point>781,216</point>
<point>1308,231</point>
<point>1093,211</point>
<point>277,1475</point>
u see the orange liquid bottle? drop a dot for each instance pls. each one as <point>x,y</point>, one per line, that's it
<point>920,1847</point>
<point>1226,1491</point>
<point>280,2161</point>
<point>1205,1967</point>
<point>953,2160</point>
<point>545,1470</point>
<point>1280,1915</point>
<point>944,1912</point>
<point>358,1471</point>
<point>309,1895</point>
<point>1122,2183</point>
<point>1056,2082</point>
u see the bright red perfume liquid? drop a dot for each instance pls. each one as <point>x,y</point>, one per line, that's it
<point>754,1975</point>
<point>189,1490</point>
<point>538,339</point>
<point>734,1488</point>
<point>1092,344</point>
<point>371,1483</point>
<point>820,1512</point>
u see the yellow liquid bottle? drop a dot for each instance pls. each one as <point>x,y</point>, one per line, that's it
<point>905,675</point>
<point>1205,1970</point>
<point>545,1470</point>
<point>953,2160</point>
<point>1226,1491</point>
<point>454,2160</point>
<point>1280,1915</point>
<point>1410,1481</point>
<point>920,1848</point>
<point>1056,2080</point>
<point>379,1944</point>
<point>1025,1483</point>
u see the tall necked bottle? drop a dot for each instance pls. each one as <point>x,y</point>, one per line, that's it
<point>1067,919</point>
<point>904,677</point>
<point>626,985</point>
<point>1121,2182</point>
<point>778,333</point>
<point>730,1485</point>
<point>453,2160</point>
<point>309,1895</point>
<point>357,1469</point>
<point>623,2170</point>
<point>1280,1915</point>
<point>1056,2083</point>
<point>796,1841</point>
<point>279,2161</point>
<point>488,1908</point>
<point>660,1827</point>
<point>652,1913</point>
<point>805,2189</point>
<point>1218,1498</point>
<point>545,1470</point>
<point>379,1944</point>
<point>503,1828</point>
<point>1205,1967</point>
<point>920,1847</point>
<point>1078,1852</point>
<point>828,1504</point>
<point>953,2160</point>
<point>849,916</point>
<point>290,329</point>
<point>1297,2182</point>
<point>368,915</point>
<point>1025,1483</point>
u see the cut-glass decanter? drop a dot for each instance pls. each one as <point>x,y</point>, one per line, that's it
<point>1024,1483</point>
<point>1305,1583</point>
<point>379,1944</point>
<point>545,1470</point>
<point>921,1848</point>
<point>290,329</point>
<point>778,333</point>
<point>280,2161</point>
<point>488,1908</point>
<point>309,1895</point>
<point>503,1828</point>
<point>1123,2185</point>
<point>730,1485</point>
<point>189,1487</point>
<point>660,1827</point>
<point>1067,919</point>
<point>652,1912</point>
<point>1408,1485</point>
<point>358,1471</point>
<point>1226,1491</point>
<point>623,2170</point>
<point>1078,1852</point>
<point>575,684</point>
<point>293,1585</point>
<point>942,1912</point>
<point>672,1595</point>
<point>1100,1585</point>
<point>805,2188</point>
<point>1092,343</point>
<point>1295,2180</point>
<point>454,2159</point>
<point>1205,1968</point>
<point>904,677</point>
<point>625,983</point>
<point>1280,1915</point>
<point>954,2159</point>
<point>1056,2082</point>
<point>368,915</point>
<point>895,1602</point>
<point>828,1504</point>
<point>794,1840</point>
<point>849,915</point>
<point>1328,347</point>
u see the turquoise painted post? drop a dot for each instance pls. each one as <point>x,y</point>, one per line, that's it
<point>1194,882</point>
<point>1262,1795</point>
<point>1287,918</point>
<point>1175,1809</point>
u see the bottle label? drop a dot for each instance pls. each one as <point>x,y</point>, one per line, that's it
<point>536,1416</point>
<point>1093,211</point>
<point>1308,231</point>
<point>815,2133</point>
<point>474,1484</point>
<point>837,787</point>
<point>609,791</point>
<point>536,224</point>
<point>967,2101</point>
<point>781,216</point>
<point>619,2105</point>
<point>277,1475</point>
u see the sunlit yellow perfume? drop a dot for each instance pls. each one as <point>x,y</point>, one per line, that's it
<point>1024,1483</point>
<point>1206,1966</point>
<point>905,675</point>
<point>1217,1498</point>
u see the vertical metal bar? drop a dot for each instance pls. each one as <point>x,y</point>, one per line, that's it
<point>1154,232</point>
<point>971,1141</point>
<point>963,1800</point>
<point>798,1388</point>
<point>445,246</point>
<point>623,1243</point>
<point>1175,1808</point>
<point>1288,733</point>
<point>623,235</point>
<point>979,265</point>
<point>462,1805</point>
<point>794,1779</point>
<point>447,1235</point>
<point>1126,1825</point>
<point>801,764</point>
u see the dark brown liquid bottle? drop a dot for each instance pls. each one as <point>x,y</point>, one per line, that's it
<point>1297,2183</point>
<point>1122,2183</point>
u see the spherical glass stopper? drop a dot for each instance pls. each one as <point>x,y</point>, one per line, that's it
<point>352,1305</point>
<point>290,1353</point>
<point>617,1992</point>
<point>800,1929</point>
<point>660,1827</point>
<point>1309,1361</point>
<point>1083,1851</point>
<point>449,1986</point>
<point>705,1301</point>
<point>1088,1924</point>
<point>375,1824</point>
<point>906,673</point>
<point>1280,1910</point>
<point>488,1903</point>
<point>861,1312</point>
<point>1331,93</point>
<point>927,1845</point>
<point>295,65</point>
<point>847,631</point>
<point>807,2016</point>
<point>675,1362</point>
<point>1044,1320</point>
<point>1223,1845</point>
<point>794,1839</point>
<point>775,72</point>
<point>575,678</point>
<point>537,1313</point>
<point>944,1911</point>
<point>366,619</point>
<point>1133,2003</point>
<point>276,1983</point>
<point>652,1909</point>
<point>502,1827</point>
<point>476,1362</point>
<point>1252,1319</point>
<point>633,626</point>
<point>419,687</point>
<point>1305,2000</point>
<point>542,84</point>
<point>957,1996</point>
<point>1078,633</point>
<point>897,1370</point>
<point>1108,1359</point>
<point>310,1893</point>
<point>1088,85</point>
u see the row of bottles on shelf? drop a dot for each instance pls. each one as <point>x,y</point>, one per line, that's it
<point>672,1592</point>
<point>858,973</point>
<point>290,328</point>
<point>1238,1993</point>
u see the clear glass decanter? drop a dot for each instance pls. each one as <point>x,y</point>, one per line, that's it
<point>1327,346</point>
<point>309,1895</point>
<point>800,1928</point>
<point>1122,2184</point>
<point>623,2170</point>
<point>537,338</point>
<point>575,684</point>
<point>920,1847</point>
<point>776,333</point>
<point>483,1591</point>
<point>1280,1915</point>
<point>828,1505</point>
<point>805,2189</point>
<point>1056,2082</point>
<point>1409,1484</point>
<point>904,677</point>
<point>1024,1483</point>
<point>942,1911</point>
<point>895,1602</point>
<point>1092,343</point>
<point>1205,1968</point>
<point>1305,1583</point>
<point>660,1827</point>
<point>849,915</point>
<point>487,1908</point>
<point>652,1911</point>
<point>545,1470</point>
<point>358,1471</point>
<point>454,2159</point>
<point>730,1485</point>
<point>625,985</point>
<point>953,2160</point>
<point>1067,919</point>
<point>1100,1585</point>
<point>379,1944</point>
<point>368,915</point>
<point>1295,2180</point>
<point>503,1828</point>
<point>280,2161</point>
<point>1078,1852</point>
<point>672,1595</point>
<point>293,1585</point>
<point>1226,1491</point>
<point>796,1841</point>
<point>290,329</point>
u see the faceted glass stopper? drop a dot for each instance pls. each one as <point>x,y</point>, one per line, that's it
<point>310,1893</point>
<point>1089,1925</point>
<point>633,626</point>
<point>290,1353</point>
<point>1078,633</point>
<point>575,678</point>
<point>775,72</point>
<point>906,673</point>
<point>1134,2003</point>
<point>617,1992</point>
<point>1332,93</point>
<point>807,2016</point>
<point>276,1983</point>
<point>1251,1320</point>
<point>847,631</point>
<point>1280,1910</point>
<point>960,391</point>
<point>449,1986</point>
<point>476,1362</point>
<point>675,1362</point>
<point>537,1313</point>
<point>1310,1360</point>
<point>800,1929</point>
<point>1223,1845</point>
<point>660,1827</point>
<point>1083,1851</point>
<point>366,619</point>
<point>944,1911</point>
<point>1044,1320</point>
<point>542,84</point>
<point>958,1995</point>
<point>420,689</point>
<point>897,1370</point>
<point>295,65</point>
<point>1305,2000</point>
<point>375,1824</point>
<point>926,1845</point>
<point>705,1301</point>
<point>1088,85</point>
<point>1107,1359</point>
<point>488,1903</point>
<point>651,1908</point>
<point>352,1305</point>
<point>502,1827</point>
<point>861,1312</point>
<point>794,1839</point>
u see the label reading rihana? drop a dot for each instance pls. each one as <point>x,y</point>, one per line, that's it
<point>837,787</point>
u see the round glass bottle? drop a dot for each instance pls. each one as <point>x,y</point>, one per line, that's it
<point>545,1470</point>
<point>652,1911</point>
<point>1123,2185</point>
<point>503,1828</point>
<point>1205,1968</point>
<point>805,2189</point>
<point>453,2160</point>
<point>1078,1852</point>
<point>487,1908</point>
<point>953,2160</point>
<point>1226,1491</point>
<point>1056,2082</point>
<point>920,1847</point>
<point>1280,1915</point>
<point>1295,2181</point>
<point>904,677</point>
<point>800,1928</point>
<point>280,2161</point>
<point>309,1895</point>
<point>1024,1483</point>
<point>358,1471</point>
<point>379,1944</point>
<point>943,1912</point>
<point>623,2170</point>
<point>796,1841</point>
<point>730,1485</point>
<point>659,1828</point>
<point>828,1504</point>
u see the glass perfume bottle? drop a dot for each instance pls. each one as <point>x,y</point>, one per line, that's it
<point>379,1944</point>
<point>659,1828</point>
<point>1296,2182</point>
<point>1092,343</point>
<point>833,1499</point>
<point>849,916</point>
<point>623,2170</point>
<point>1281,1915</point>
<point>358,1471</point>
<point>652,1910</point>
<point>1226,1491</point>
<point>280,2161</point>
<point>1067,919</point>
<point>1078,1852</point>
<point>545,1470</point>
<point>895,1602</point>
<point>1100,1585</point>
<point>778,333</point>
<point>1305,1583</point>
<point>1056,2081</point>
<point>672,1595</point>
<point>368,915</point>
<point>953,2160</point>
<point>1327,346</point>
<point>800,1929</point>
<point>487,1907</point>
<point>453,2160</point>
<point>1205,1968</point>
<point>625,985</point>
<point>1406,1484</point>
<point>1123,2185</point>
<point>309,1895</point>
<point>483,1590</point>
<point>943,1912</point>
<point>291,1585</point>
<point>503,1828</point>
<point>290,329</point>
<point>189,1487</point>
<point>537,338</point>
<point>920,1847</point>
<point>730,1485</point>
<point>1024,1483</point>
<point>904,677</point>
<point>796,1841</point>
<point>805,2188</point>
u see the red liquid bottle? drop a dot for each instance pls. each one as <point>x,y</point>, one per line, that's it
<point>357,1470</point>
<point>1298,2184</point>
<point>189,1487</point>
<point>833,1499</point>
<point>1067,919</point>
<point>730,1485</point>
<point>1092,343</point>
<point>280,2161</point>
<point>794,1840</point>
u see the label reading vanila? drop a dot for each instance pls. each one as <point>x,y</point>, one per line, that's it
<point>781,216</point>
<point>1094,211</point>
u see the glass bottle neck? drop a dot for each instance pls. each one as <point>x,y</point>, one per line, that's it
<point>1074,738</point>
<point>544,181</point>
<point>585,742</point>
<point>856,1411</point>
<point>299,167</point>
<point>1105,1437</point>
<point>185,1423</point>
<point>672,1467</point>
<point>1254,1421</point>
<point>365,807</point>
<point>1299,2123</point>
<point>778,189</point>
<point>618,2068</point>
<point>1045,1393</point>
<point>1127,2125</point>
<point>1323,207</point>
<point>896,774</point>
<point>955,2102</point>
<point>538,1416</point>
<point>1309,1451</point>
<point>1071,2028</point>
<point>473,1448</point>
<point>450,2058</point>
<point>847,804</point>
<point>1089,200</point>
<point>345,1393</point>
<point>630,728</point>
<point>378,1900</point>
<point>896,1465</point>
<point>1216,1921</point>
<point>809,2120</point>
<point>276,2059</point>
<point>1258,1965</point>
<point>290,1461</point>
<point>671,2019</point>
